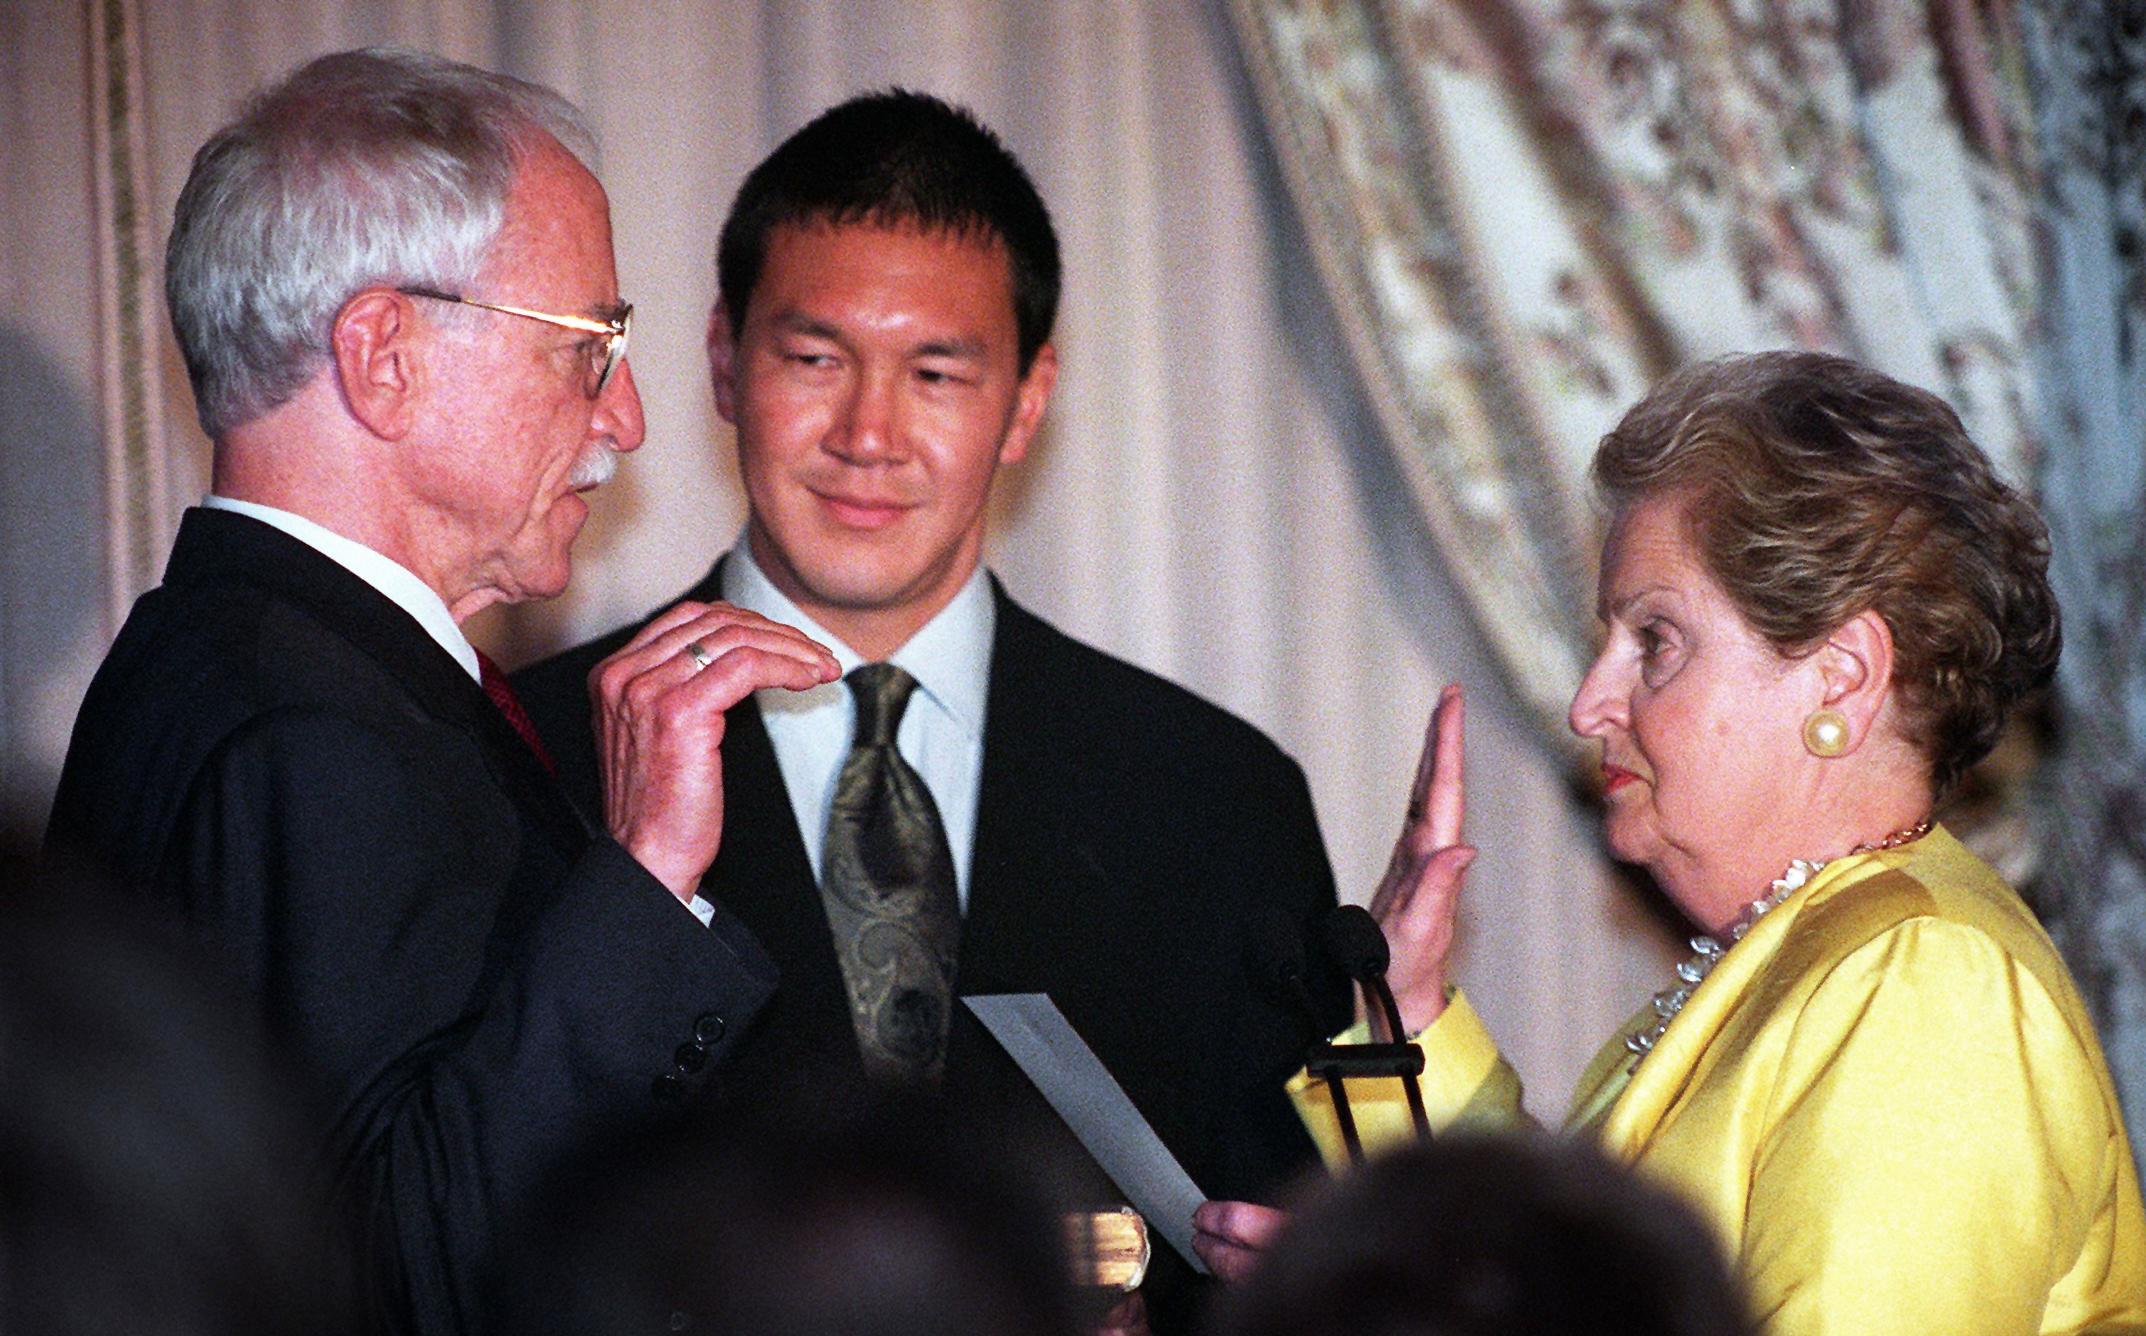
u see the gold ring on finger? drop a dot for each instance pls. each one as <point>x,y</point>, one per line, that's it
<point>699,654</point>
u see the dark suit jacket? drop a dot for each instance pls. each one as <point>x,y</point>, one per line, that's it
<point>1133,843</point>
<point>285,757</point>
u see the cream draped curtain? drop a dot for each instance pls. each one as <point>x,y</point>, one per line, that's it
<point>1525,211</point>
<point>2087,61</point>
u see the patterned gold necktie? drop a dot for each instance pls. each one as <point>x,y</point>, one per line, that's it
<point>887,879</point>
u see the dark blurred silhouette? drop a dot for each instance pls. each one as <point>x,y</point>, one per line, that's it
<point>871,1218</point>
<point>154,1171</point>
<point>1502,1236</point>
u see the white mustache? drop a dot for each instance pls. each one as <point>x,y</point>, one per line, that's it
<point>596,465</point>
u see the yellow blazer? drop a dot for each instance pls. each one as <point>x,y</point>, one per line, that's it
<point>1887,1099</point>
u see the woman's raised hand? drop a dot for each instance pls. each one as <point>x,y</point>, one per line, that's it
<point>1415,900</point>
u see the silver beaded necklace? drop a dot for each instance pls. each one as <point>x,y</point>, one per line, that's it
<point>1707,951</point>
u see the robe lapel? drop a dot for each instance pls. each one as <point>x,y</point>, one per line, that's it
<point>220,544</point>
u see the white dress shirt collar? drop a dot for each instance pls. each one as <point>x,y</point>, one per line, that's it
<point>941,733</point>
<point>394,581</point>
<point>949,656</point>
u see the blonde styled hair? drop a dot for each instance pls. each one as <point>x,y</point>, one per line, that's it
<point>1816,489</point>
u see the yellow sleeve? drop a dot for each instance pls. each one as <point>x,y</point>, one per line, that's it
<point>1465,1084</point>
<point>1923,1168</point>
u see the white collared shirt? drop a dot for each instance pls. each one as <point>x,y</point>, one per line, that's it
<point>394,581</point>
<point>942,730</point>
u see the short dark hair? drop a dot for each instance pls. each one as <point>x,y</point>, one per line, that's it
<point>1817,488</point>
<point>896,159</point>
<point>1489,1236</point>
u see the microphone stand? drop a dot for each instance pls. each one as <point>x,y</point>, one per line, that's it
<point>1364,957</point>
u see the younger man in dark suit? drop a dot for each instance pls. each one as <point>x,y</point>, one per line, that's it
<point>392,281</point>
<point>1047,818</point>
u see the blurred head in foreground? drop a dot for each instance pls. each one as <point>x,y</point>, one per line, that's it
<point>153,1163</point>
<point>874,1222</point>
<point>1489,1237</point>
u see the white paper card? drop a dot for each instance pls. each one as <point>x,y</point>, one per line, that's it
<point>1095,1106</point>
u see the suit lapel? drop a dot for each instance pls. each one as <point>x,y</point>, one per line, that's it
<point>1032,865</point>
<point>762,875</point>
<point>1039,913</point>
<point>761,869</point>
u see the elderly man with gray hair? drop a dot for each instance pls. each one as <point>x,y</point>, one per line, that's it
<point>392,280</point>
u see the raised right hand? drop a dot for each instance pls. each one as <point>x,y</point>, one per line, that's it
<point>1415,901</point>
<point>659,726</point>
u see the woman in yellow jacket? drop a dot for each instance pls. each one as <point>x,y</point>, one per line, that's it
<point>1874,1078</point>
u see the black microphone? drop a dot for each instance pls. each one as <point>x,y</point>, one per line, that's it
<point>1356,943</point>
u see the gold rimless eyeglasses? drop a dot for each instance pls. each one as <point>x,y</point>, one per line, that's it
<point>614,330</point>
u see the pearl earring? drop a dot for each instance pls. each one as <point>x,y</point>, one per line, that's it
<point>1825,732</point>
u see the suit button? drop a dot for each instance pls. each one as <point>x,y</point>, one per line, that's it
<point>690,1058</point>
<point>668,1088</point>
<point>709,1028</point>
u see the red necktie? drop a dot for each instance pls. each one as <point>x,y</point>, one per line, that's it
<point>497,687</point>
